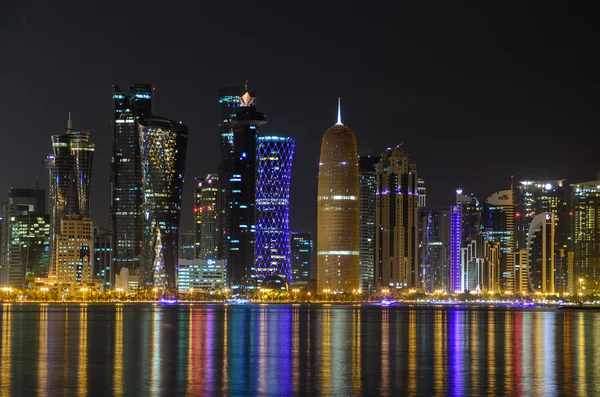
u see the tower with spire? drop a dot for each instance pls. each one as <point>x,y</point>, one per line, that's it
<point>338,211</point>
<point>239,226</point>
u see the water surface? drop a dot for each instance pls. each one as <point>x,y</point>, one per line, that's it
<point>146,350</point>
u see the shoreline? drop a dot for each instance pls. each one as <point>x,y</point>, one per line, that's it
<point>400,305</point>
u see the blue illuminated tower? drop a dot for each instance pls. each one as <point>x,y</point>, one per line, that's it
<point>274,157</point>
<point>455,239</point>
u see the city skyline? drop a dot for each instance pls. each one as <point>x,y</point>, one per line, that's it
<point>441,105</point>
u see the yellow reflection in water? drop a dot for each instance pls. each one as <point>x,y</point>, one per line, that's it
<point>155,347</point>
<point>66,346</point>
<point>42,374</point>
<point>412,352</point>
<point>356,357</point>
<point>385,351</point>
<point>440,370</point>
<point>509,351</point>
<point>581,363</point>
<point>538,355</point>
<point>326,363</point>
<point>118,359</point>
<point>569,352</point>
<point>491,353</point>
<point>83,358</point>
<point>5,367</point>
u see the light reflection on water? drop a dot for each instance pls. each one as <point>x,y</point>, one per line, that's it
<point>296,350</point>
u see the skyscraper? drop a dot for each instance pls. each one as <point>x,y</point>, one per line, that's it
<point>274,156</point>
<point>126,214</point>
<point>454,251</point>
<point>540,254</point>
<point>301,251</point>
<point>338,211</point>
<point>240,212</point>
<point>396,239</point>
<point>586,234</point>
<point>25,237</point>
<point>163,146</point>
<point>208,232</point>
<point>73,155</point>
<point>368,195</point>
<point>229,101</point>
<point>498,224</point>
<point>434,231</point>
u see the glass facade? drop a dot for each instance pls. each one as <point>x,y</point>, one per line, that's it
<point>126,215</point>
<point>586,236</point>
<point>103,255</point>
<point>73,155</point>
<point>163,151</point>
<point>274,157</point>
<point>208,236</point>
<point>25,237</point>
<point>240,226</point>
<point>368,195</point>
<point>229,101</point>
<point>338,212</point>
<point>301,252</point>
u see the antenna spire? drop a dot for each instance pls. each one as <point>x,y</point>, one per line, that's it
<point>70,123</point>
<point>246,86</point>
<point>339,119</point>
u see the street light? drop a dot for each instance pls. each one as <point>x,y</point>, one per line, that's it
<point>295,291</point>
<point>580,287</point>
<point>84,291</point>
<point>119,290</point>
<point>155,289</point>
<point>326,290</point>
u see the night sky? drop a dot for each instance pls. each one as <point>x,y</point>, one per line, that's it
<point>477,92</point>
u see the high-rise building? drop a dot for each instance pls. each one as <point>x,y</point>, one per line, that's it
<point>422,190</point>
<point>396,239</point>
<point>368,194</point>
<point>163,146</point>
<point>49,164</point>
<point>200,274</point>
<point>73,155</point>
<point>187,245</point>
<point>25,237</point>
<point>229,101</point>
<point>338,211</point>
<point>541,270</point>
<point>74,250</point>
<point>532,198</point>
<point>434,244</point>
<point>454,250</point>
<point>585,203</point>
<point>498,224</point>
<point>240,185</point>
<point>208,232</point>
<point>301,252</point>
<point>274,157</point>
<point>126,214</point>
<point>103,255</point>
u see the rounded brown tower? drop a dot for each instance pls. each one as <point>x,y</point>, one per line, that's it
<point>338,212</point>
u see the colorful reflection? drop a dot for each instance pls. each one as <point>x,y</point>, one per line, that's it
<point>296,350</point>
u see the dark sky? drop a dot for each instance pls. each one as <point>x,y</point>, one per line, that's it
<point>477,91</point>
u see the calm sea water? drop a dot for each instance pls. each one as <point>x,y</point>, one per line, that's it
<point>130,350</point>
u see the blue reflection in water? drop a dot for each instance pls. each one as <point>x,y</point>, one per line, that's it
<point>456,337</point>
